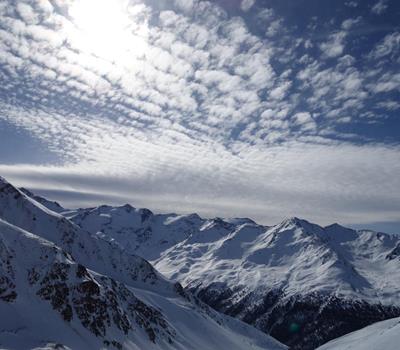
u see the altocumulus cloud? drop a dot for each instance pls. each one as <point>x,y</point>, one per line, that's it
<point>201,106</point>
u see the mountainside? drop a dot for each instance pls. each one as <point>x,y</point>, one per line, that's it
<point>62,288</point>
<point>302,283</point>
<point>381,335</point>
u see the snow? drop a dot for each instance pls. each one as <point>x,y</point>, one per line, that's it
<point>382,335</point>
<point>296,255</point>
<point>234,331</point>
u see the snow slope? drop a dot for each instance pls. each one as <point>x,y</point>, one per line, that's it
<point>382,335</point>
<point>62,288</point>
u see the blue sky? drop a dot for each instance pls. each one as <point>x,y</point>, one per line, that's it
<point>264,109</point>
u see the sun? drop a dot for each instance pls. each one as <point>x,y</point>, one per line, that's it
<point>104,28</point>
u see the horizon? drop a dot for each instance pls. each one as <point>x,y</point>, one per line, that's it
<point>248,108</point>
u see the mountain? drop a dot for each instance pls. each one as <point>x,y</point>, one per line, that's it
<point>300,282</point>
<point>381,335</point>
<point>52,205</point>
<point>62,288</point>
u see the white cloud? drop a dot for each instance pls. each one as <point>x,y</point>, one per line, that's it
<point>247,4</point>
<point>380,7</point>
<point>386,83</point>
<point>335,45</point>
<point>27,13</point>
<point>280,91</point>
<point>287,180</point>
<point>304,120</point>
<point>350,22</point>
<point>390,45</point>
<point>351,4</point>
<point>389,105</point>
<point>185,5</point>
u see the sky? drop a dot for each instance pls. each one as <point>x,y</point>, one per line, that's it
<point>252,108</point>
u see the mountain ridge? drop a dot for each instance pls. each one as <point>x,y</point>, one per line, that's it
<point>273,277</point>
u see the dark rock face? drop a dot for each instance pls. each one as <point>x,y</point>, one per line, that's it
<point>98,303</point>
<point>301,322</point>
<point>395,253</point>
<point>7,290</point>
<point>145,215</point>
<point>7,286</point>
<point>53,287</point>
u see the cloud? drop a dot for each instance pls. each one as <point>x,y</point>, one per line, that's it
<point>380,7</point>
<point>351,4</point>
<point>386,83</point>
<point>389,46</point>
<point>291,179</point>
<point>351,22</point>
<point>27,13</point>
<point>335,45</point>
<point>389,105</point>
<point>189,107</point>
<point>304,121</point>
<point>247,4</point>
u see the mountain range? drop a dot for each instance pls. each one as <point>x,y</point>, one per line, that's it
<point>129,278</point>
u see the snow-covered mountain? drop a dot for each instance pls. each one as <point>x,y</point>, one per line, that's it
<point>62,288</point>
<point>52,205</point>
<point>381,335</point>
<point>302,283</point>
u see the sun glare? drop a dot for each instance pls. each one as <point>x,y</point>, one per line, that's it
<point>104,28</point>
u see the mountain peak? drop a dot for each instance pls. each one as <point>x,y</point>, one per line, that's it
<point>3,180</point>
<point>240,221</point>
<point>298,222</point>
<point>340,233</point>
<point>336,226</point>
<point>4,183</point>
